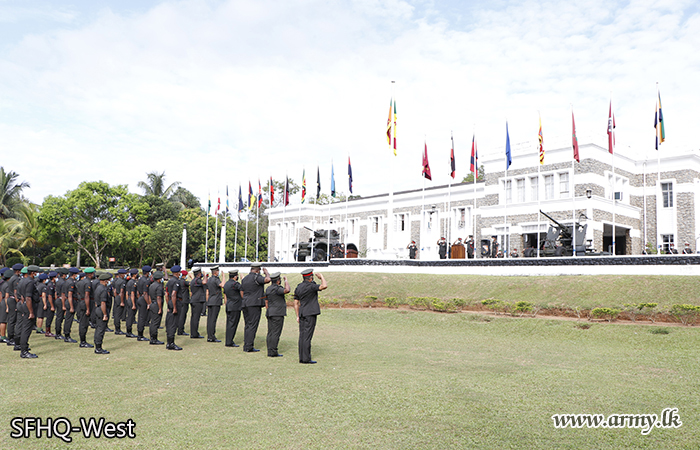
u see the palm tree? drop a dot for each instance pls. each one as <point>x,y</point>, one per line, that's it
<point>10,193</point>
<point>155,185</point>
<point>28,232</point>
<point>9,231</point>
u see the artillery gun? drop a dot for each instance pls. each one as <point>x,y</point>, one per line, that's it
<point>318,245</point>
<point>560,240</point>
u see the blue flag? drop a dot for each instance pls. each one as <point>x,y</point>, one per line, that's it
<point>332,181</point>
<point>508,159</point>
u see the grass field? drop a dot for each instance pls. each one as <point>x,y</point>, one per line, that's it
<point>385,379</point>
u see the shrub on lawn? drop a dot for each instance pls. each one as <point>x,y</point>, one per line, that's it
<point>687,314</point>
<point>438,304</point>
<point>369,299</point>
<point>391,302</point>
<point>522,307</point>
<point>420,303</point>
<point>605,313</point>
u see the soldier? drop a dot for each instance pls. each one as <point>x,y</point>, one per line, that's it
<point>119,285</point>
<point>182,315</point>
<point>687,250</point>
<point>252,290</point>
<point>470,247</point>
<point>442,247</point>
<point>307,310</point>
<point>494,247</point>
<point>196,302</point>
<point>40,285</point>
<point>71,303</point>
<point>19,295</point>
<point>213,297</point>
<point>144,301</point>
<point>275,310</point>
<point>130,302</point>
<point>11,299</point>
<point>412,250</point>
<point>6,274</point>
<point>59,301</point>
<point>234,303</point>
<point>28,307</point>
<point>84,307</point>
<point>173,292</point>
<point>100,312</point>
<point>155,308</point>
<point>46,299</point>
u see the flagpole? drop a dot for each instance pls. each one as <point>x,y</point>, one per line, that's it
<point>328,232</point>
<point>476,171</point>
<point>573,205</point>
<point>216,232</point>
<point>390,212</point>
<point>644,194</point>
<point>658,181</point>
<point>614,181</point>
<point>539,208</point>
<point>206,238</point>
<point>505,216</point>
<point>257,231</point>
<point>285,231</point>
<point>449,194</point>
<point>235,245</point>
<point>303,178</point>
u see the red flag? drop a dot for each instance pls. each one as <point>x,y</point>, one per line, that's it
<point>259,193</point>
<point>474,165</point>
<point>611,129</point>
<point>286,191</point>
<point>218,204</point>
<point>426,165</point>
<point>272,192</point>
<point>574,141</point>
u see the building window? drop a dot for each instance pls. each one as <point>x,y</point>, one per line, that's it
<point>667,242</point>
<point>667,194</point>
<point>400,222</point>
<point>534,188</point>
<point>520,184</point>
<point>548,187</point>
<point>509,192</point>
<point>352,225</point>
<point>375,224</point>
<point>461,218</point>
<point>563,185</point>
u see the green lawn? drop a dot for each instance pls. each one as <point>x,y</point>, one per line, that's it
<point>385,379</point>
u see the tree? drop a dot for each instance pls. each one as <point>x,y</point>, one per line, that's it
<point>155,185</point>
<point>186,198</point>
<point>10,193</point>
<point>92,216</point>
<point>164,243</point>
<point>279,191</point>
<point>470,177</point>
<point>29,232</point>
<point>9,231</point>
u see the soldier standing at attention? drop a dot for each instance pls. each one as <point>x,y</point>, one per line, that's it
<point>6,274</point>
<point>11,301</point>
<point>196,302</point>
<point>84,306</point>
<point>101,313</point>
<point>60,300</point>
<point>234,302</point>
<point>119,285</point>
<point>50,305</point>
<point>130,302</point>
<point>28,307</point>
<point>173,292</point>
<point>470,247</point>
<point>155,309</point>
<point>143,302</point>
<point>71,303</point>
<point>19,295</point>
<point>213,297</point>
<point>307,310</point>
<point>275,310</point>
<point>182,315</point>
<point>44,307</point>
<point>252,290</point>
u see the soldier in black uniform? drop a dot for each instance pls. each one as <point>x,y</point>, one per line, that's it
<point>49,299</point>
<point>182,315</point>
<point>155,309</point>
<point>252,291</point>
<point>196,302</point>
<point>60,301</point>
<point>19,295</point>
<point>84,307</point>
<point>11,300</point>
<point>234,303</point>
<point>130,302</point>
<point>275,310</point>
<point>28,307</point>
<point>307,310</point>
<point>143,302</point>
<point>100,314</point>
<point>470,247</point>
<point>40,285</point>
<point>118,286</point>
<point>71,303</point>
<point>412,250</point>
<point>6,274</point>
<point>442,247</point>
<point>173,292</point>
<point>213,297</point>
<point>494,247</point>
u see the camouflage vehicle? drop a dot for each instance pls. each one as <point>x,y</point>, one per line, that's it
<point>318,246</point>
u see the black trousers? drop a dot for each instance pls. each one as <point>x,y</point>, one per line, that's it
<point>172,321</point>
<point>130,314</point>
<point>100,327</point>
<point>118,314</point>
<point>48,317</point>
<point>182,317</point>
<point>142,308</point>
<point>251,316</point>
<point>26,326</point>
<point>232,319</point>
<point>84,323</point>
<point>68,320</point>
<point>59,317</point>
<point>194,319</point>
<point>212,316</point>
<point>154,319</point>
<point>307,325</point>
<point>274,331</point>
<point>11,317</point>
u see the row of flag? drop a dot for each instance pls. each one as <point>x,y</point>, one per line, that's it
<point>473,167</point>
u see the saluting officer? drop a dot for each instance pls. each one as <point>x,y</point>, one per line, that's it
<point>252,290</point>
<point>130,302</point>
<point>213,296</point>
<point>173,292</point>
<point>155,309</point>
<point>307,310</point>
<point>101,312</point>
<point>196,302</point>
<point>275,310</point>
<point>234,303</point>
<point>182,315</point>
<point>143,302</point>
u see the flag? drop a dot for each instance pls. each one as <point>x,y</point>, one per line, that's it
<point>611,129</point>
<point>452,158</point>
<point>508,158</point>
<point>251,197</point>
<point>426,165</point>
<point>303,186</point>
<point>227,200</point>
<point>209,203</point>
<point>574,140</point>
<point>474,165</point>
<point>272,193</point>
<point>259,194</point>
<point>218,203</point>
<point>241,206</point>
<point>286,191</point>
<point>318,183</point>
<point>388,123</point>
<point>394,127</point>
<point>541,143</point>
<point>349,175</point>
<point>332,182</point>
<point>659,124</point>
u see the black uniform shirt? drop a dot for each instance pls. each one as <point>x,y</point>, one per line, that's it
<point>197,289</point>
<point>69,287</point>
<point>142,286</point>
<point>100,297</point>
<point>185,288</point>
<point>253,287</point>
<point>276,303</point>
<point>130,287</point>
<point>21,287</point>
<point>12,284</point>
<point>155,290</point>
<point>307,294</point>
<point>173,286</point>
<point>119,293</point>
<point>232,289</point>
<point>214,291</point>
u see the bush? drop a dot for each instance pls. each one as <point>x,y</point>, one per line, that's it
<point>419,303</point>
<point>369,299</point>
<point>650,310</point>
<point>11,261</point>
<point>687,314</point>
<point>459,303</point>
<point>437,304</point>
<point>522,307</point>
<point>605,313</point>
<point>497,306</point>
<point>391,302</point>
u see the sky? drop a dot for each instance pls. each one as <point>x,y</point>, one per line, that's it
<point>218,93</point>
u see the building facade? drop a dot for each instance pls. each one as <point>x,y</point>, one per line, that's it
<point>639,202</point>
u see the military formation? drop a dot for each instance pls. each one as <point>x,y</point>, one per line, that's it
<point>31,300</point>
